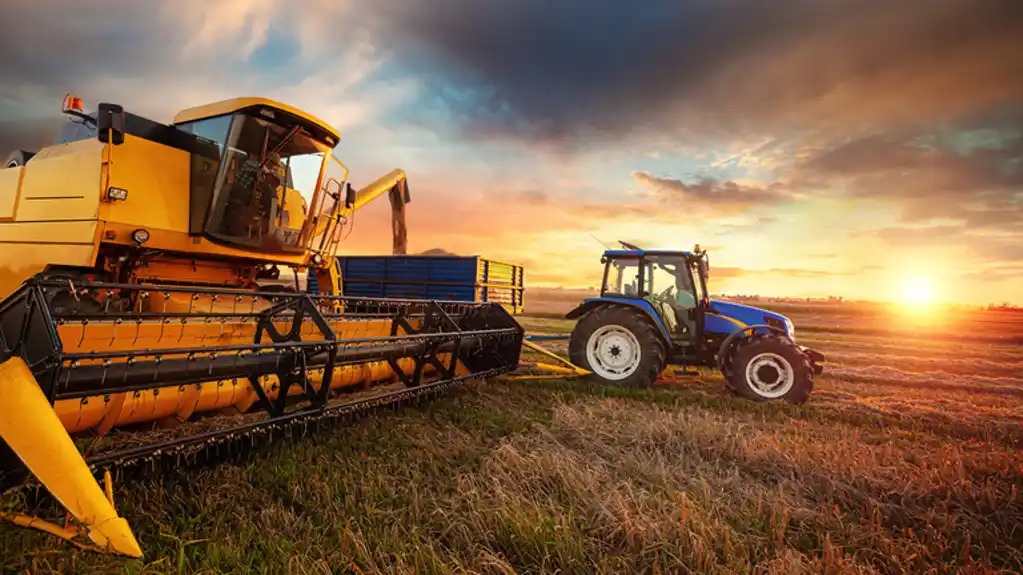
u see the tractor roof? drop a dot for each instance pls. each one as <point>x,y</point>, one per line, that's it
<point>317,126</point>
<point>640,253</point>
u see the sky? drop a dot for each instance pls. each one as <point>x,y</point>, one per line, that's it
<point>814,147</point>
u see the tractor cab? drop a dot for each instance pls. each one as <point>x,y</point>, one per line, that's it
<point>674,283</point>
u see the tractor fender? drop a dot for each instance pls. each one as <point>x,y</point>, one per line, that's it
<point>590,304</point>
<point>734,337</point>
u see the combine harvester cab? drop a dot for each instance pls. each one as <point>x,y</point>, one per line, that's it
<point>146,317</point>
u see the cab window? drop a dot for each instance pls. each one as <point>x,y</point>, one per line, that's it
<point>623,277</point>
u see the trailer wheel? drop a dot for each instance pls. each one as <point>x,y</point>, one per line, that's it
<point>619,346</point>
<point>769,367</point>
<point>18,158</point>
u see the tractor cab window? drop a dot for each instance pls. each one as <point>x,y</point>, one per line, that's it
<point>670,280</point>
<point>623,277</point>
<point>254,203</point>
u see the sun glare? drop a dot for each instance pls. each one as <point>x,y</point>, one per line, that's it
<point>918,291</point>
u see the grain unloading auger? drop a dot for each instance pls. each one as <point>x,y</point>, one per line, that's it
<point>138,326</point>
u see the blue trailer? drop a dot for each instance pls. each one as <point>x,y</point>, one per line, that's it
<point>439,277</point>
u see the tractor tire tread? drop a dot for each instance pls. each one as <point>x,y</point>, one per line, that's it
<point>804,376</point>
<point>653,355</point>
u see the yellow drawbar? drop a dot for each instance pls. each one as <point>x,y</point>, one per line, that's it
<point>31,428</point>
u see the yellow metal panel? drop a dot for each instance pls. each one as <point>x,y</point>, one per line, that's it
<point>62,183</point>
<point>10,180</point>
<point>235,104</point>
<point>157,178</point>
<point>26,248</point>
<point>31,428</point>
<point>177,241</point>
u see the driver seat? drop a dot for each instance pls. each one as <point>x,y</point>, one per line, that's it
<point>667,312</point>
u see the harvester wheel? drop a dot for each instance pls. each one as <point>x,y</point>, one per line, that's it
<point>619,345</point>
<point>18,158</point>
<point>770,367</point>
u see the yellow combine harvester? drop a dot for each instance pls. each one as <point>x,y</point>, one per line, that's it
<point>140,277</point>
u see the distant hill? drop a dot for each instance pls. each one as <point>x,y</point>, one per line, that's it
<point>437,252</point>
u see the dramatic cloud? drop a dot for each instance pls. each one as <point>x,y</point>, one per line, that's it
<point>816,143</point>
<point>725,196</point>
<point>979,185</point>
<point>694,67</point>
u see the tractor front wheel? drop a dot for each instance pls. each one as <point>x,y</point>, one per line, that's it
<point>619,345</point>
<point>768,367</point>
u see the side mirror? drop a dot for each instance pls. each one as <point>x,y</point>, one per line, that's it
<point>110,124</point>
<point>349,195</point>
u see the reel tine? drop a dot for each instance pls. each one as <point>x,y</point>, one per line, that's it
<point>85,324</point>
<point>113,329</point>
<point>138,331</point>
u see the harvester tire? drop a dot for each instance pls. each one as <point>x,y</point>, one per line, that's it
<point>18,158</point>
<point>603,335</point>
<point>770,367</point>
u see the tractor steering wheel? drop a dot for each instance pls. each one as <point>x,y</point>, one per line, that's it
<point>666,294</point>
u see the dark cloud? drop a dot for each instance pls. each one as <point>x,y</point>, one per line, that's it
<point>721,195</point>
<point>891,166</point>
<point>937,177</point>
<point>576,69</point>
<point>29,135</point>
<point>55,45</point>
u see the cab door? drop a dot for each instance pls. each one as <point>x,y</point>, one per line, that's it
<point>669,288</point>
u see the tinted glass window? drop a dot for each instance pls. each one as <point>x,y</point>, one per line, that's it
<point>214,129</point>
<point>669,276</point>
<point>248,207</point>
<point>623,277</point>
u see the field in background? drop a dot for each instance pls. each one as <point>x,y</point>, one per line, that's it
<point>907,458</point>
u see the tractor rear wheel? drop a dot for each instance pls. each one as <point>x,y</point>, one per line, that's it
<point>769,367</point>
<point>619,345</point>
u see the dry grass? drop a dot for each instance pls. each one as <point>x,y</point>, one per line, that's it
<point>908,458</point>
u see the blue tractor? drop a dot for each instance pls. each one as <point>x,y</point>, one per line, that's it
<point>654,310</point>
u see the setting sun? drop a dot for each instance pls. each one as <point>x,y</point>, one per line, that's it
<point>918,291</point>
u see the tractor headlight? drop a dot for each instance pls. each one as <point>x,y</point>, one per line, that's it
<point>140,236</point>
<point>790,328</point>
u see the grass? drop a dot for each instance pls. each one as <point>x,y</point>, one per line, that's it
<point>908,458</point>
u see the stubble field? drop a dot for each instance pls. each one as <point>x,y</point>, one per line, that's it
<point>908,457</point>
